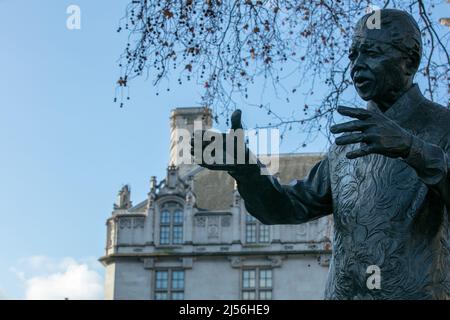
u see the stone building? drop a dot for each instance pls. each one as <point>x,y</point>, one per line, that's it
<point>193,239</point>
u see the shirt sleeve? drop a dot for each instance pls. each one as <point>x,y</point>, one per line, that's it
<point>432,164</point>
<point>273,203</point>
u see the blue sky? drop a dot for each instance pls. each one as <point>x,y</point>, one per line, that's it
<point>66,148</point>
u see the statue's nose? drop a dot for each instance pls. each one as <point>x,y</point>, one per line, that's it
<point>358,65</point>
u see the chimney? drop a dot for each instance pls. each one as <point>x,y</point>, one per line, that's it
<point>183,119</point>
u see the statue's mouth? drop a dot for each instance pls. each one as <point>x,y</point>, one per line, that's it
<point>362,81</point>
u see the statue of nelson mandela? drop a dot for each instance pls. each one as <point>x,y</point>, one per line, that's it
<point>386,180</point>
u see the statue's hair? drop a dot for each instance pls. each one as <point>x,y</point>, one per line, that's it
<point>398,28</point>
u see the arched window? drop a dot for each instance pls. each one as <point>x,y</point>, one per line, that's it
<point>171,223</point>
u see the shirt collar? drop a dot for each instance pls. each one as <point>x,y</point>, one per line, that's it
<point>404,108</point>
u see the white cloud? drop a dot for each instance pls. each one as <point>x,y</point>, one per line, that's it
<point>3,296</point>
<point>76,282</point>
<point>50,279</point>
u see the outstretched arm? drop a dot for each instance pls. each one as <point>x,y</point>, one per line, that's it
<point>273,203</point>
<point>265,198</point>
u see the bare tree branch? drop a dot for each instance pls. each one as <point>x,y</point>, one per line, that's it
<point>230,47</point>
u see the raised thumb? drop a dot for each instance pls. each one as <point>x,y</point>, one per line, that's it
<point>236,120</point>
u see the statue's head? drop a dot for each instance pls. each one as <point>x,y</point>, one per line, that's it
<point>384,60</point>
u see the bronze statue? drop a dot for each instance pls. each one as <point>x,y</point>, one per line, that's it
<point>386,181</point>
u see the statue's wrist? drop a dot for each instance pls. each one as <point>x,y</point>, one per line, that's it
<point>408,148</point>
<point>244,171</point>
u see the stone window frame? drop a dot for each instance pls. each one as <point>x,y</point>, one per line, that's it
<point>257,291</point>
<point>169,291</point>
<point>172,226</point>
<point>260,232</point>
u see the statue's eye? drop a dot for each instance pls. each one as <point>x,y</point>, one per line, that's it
<point>372,53</point>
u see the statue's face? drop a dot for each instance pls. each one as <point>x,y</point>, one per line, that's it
<point>378,70</point>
